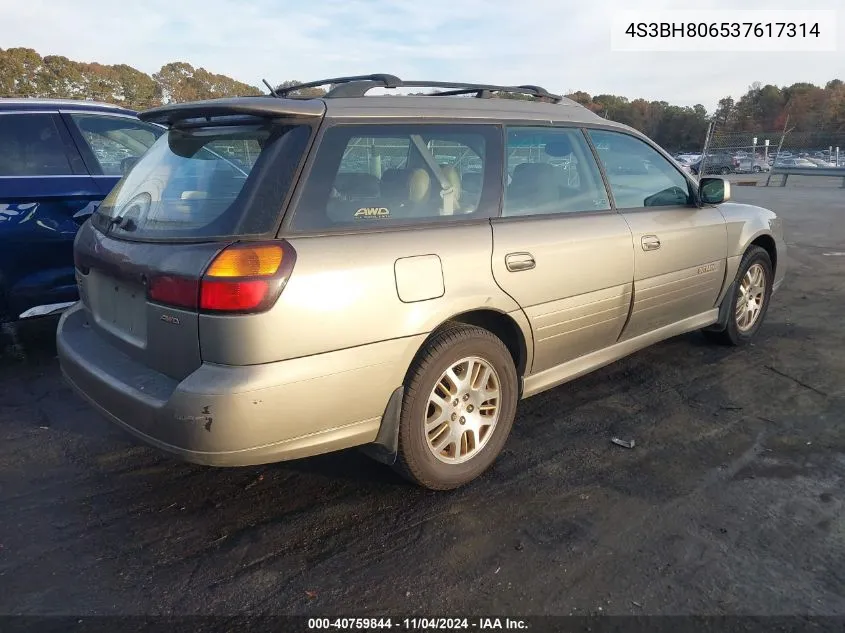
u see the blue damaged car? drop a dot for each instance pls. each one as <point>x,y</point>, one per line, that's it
<point>58,160</point>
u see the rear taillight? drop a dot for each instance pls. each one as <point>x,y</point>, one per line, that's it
<point>241,278</point>
<point>246,277</point>
<point>175,291</point>
<point>233,296</point>
<point>247,261</point>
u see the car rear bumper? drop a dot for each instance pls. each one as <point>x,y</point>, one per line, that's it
<point>238,415</point>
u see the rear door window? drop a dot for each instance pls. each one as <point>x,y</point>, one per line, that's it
<point>113,139</point>
<point>551,170</point>
<point>30,145</point>
<point>218,181</point>
<point>391,175</point>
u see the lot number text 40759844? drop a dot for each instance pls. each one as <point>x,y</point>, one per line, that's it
<point>417,624</point>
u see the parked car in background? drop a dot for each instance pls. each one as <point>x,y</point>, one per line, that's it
<point>793,162</point>
<point>744,165</point>
<point>312,301</point>
<point>717,163</point>
<point>687,158</point>
<point>820,162</point>
<point>58,160</point>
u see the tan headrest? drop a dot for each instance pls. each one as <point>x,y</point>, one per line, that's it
<point>419,184</point>
<point>454,177</point>
<point>534,183</point>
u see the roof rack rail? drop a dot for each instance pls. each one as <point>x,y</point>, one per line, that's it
<point>359,85</point>
<point>378,80</point>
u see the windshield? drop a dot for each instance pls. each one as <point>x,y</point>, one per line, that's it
<point>196,184</point>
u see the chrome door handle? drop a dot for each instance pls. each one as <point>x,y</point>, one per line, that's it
<point>650,242</point>
<point>519,261</point>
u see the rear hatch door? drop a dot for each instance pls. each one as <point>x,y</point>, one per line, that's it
<point>202,186</point>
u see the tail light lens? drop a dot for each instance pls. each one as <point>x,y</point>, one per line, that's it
<point>242,278</point>
<point>233,296</point>
<point>247,261</point>
<point>175,291</point>
<point>246,277</point>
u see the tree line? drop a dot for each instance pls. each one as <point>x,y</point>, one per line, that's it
<point>25,73</point>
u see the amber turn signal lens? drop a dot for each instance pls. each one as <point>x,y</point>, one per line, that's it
<point>247,261</point>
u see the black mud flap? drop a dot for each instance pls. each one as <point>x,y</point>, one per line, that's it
<point>724,311</point>
<point>386,444</point>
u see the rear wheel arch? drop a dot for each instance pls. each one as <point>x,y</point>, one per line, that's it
<point>502,325</point>
<point>435,449</point>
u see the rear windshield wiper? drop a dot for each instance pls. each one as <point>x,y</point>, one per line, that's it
<point>121,222</point>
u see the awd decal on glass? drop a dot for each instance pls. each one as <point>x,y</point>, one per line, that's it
<point>372,212</point>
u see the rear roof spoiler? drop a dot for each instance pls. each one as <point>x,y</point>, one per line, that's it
<point>271,107</point>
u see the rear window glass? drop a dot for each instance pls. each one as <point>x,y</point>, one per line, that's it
<point>210,182</point>
<point>387,175</point>
<point>113,139</point>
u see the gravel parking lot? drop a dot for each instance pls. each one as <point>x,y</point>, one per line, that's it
<point>730,503</point>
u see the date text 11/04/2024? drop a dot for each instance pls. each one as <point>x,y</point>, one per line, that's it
<point>723,29</point>
<point>417,624</point>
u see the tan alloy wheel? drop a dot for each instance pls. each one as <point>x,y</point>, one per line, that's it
<point>463,410</point>
<point>751,294</point>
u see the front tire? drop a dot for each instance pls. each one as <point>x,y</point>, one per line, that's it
<point>749,300</point>
<point>458,410</point>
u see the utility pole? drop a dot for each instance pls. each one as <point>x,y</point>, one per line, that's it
<point>753,155</point>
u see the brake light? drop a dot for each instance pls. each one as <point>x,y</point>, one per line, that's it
<point>233,296</point>
<point>241,278</point>
<point>246,277</point>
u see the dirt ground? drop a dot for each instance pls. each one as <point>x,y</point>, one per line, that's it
<point>730,503</point>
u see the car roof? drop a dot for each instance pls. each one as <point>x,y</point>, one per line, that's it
<point>460,108</point>
<point>17,104</point>
<point>385,106</point>
<point>347,98</point>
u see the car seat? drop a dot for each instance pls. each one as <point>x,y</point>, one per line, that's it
<point>533,185</point>
<point>453,177</point>
<point>406,193</point>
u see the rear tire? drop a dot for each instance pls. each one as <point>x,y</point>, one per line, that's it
<point>749,299</point>
<point>444,446</point>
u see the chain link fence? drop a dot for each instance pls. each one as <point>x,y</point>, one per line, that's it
<point>823,149</point>
<point>759,152</point>
<point>376,155</point>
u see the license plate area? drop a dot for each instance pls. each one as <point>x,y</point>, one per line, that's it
<point>118,306</point>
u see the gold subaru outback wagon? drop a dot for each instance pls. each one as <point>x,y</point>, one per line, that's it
<point>279,277</point>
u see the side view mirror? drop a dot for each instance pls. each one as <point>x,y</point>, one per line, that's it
<point>714,190</point>
<point>127,163</point>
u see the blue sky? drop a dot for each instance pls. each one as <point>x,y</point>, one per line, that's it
<point>563,45</point>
